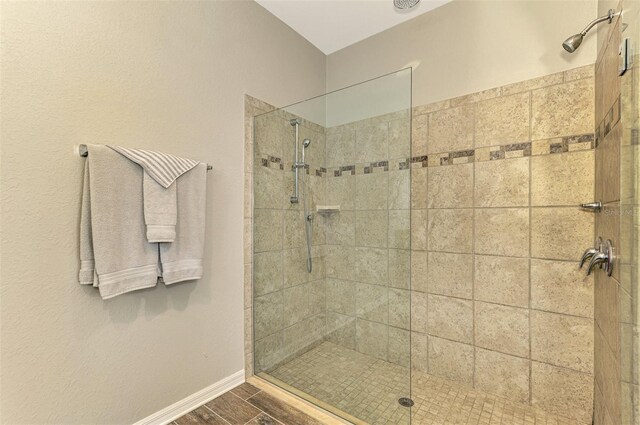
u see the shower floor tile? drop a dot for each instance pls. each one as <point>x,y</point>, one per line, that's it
<point>368,389</point>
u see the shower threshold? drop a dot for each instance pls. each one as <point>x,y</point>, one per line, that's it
<point>365,390</point>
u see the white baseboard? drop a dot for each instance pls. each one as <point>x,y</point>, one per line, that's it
<point>187,404</point>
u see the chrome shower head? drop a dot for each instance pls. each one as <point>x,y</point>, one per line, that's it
<point>572,43</point>
<point>306,143</point>
<point>405,4</point>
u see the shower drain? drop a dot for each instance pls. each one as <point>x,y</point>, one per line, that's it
<point>405,402</point>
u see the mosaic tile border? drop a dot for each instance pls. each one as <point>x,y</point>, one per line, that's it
<point>580,142</point>
<point>611,118</point>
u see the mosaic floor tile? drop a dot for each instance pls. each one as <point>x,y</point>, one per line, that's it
<point>369,389</point>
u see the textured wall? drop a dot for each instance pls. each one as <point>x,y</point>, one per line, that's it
<point>497,301</point>
<point>288,302</point>
<point>616,167</point>
<point>467,46</point>
<point>159,75</point>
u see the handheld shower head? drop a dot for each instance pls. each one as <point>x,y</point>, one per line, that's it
<point>306,143</point>
<point>572,43</point>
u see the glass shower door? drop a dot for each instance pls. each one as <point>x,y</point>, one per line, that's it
<point>331,249</point>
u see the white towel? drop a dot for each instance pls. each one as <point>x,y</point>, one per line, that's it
<point>114,253</point>
<point>182,259</point>
<point>160,172</point>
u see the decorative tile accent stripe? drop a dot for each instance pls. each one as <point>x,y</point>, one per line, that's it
<point>556,145</point>
<point>271,162</point>
<point>611,118</point>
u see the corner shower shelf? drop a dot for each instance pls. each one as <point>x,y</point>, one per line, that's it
<point>327,209</point>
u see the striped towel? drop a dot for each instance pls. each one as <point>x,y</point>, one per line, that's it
<point>160,198</point>
<point>162,167</point>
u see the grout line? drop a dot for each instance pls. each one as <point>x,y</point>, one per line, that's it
<point>215,413</point>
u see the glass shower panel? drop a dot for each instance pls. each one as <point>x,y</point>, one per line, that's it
<point>629,222</point>
<point>331,249</point>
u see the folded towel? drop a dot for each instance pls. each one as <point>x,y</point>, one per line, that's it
<point>160,210</point>
<point>160,172</point>
<point>182,259</point>
<point>114,253</point>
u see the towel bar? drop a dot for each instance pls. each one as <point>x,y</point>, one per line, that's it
<point>82,151</point>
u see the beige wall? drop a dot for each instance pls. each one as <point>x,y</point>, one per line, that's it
<point>469,46</point>
<point>160,75</point>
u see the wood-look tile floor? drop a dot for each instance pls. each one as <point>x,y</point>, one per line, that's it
<point>249,405</point>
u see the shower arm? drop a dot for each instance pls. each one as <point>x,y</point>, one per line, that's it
<point>608,17</point>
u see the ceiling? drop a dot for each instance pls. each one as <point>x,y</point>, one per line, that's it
<point>331,25</point>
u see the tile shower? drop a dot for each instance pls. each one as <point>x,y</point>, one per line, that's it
<point>452,260</point>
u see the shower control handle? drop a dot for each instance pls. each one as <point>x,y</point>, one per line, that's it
<point>593,206</point>
<point>587,255</point>
<point>598,259</point>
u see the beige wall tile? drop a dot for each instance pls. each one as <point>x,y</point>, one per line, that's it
<point>268,314</point>
<point>502,328</point>
<point>450,230</point>
<point>419,318</point>
<point>450,186</point>
<point>400,268</point>
<point>372,228</point>
<point>340,142</point>
<point>340,261</point>
<point>502,183</point>
<point>399,308</point>
<point>399,229</point>
<point>340,228</point>
<point>419,229</point>
<point>503,375</point>
<point>372,265</point>
<point>341,296</point>
<point>399,138</point>
<point>563,110</point>
<point>562,179</point>
<point>295,301</point>
<point>419,133</point>
<point>372,338</point>
<point>419,188</point>
<point>451,318</point>
<point>400,350</point>
<point>294,267</point>
<point>341,330</point>
<point>451,129</point>
<point>451,360</point>
<point>587,71</point>
<point>502,120</point>
<point>268,352</point>
<point>502,231</point>
<point>562,391</point>
<point>476,97</point>
<point>561,340</point>
<point>372,142</point>
<point>399,190</point>
<point>293,229</point>
<point>419,271</point>
<point>560,233</point>
<point>560,287</point>
<point>372,302</point>
<point>502,280</point>
<point>342,191</point>
<point>535,83</point>
<point>372,191</point>
<point>450,274</point>
<point>268,187</point>
<point>419,352</point>
<point>268,276</point>
<point>267,230</point>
